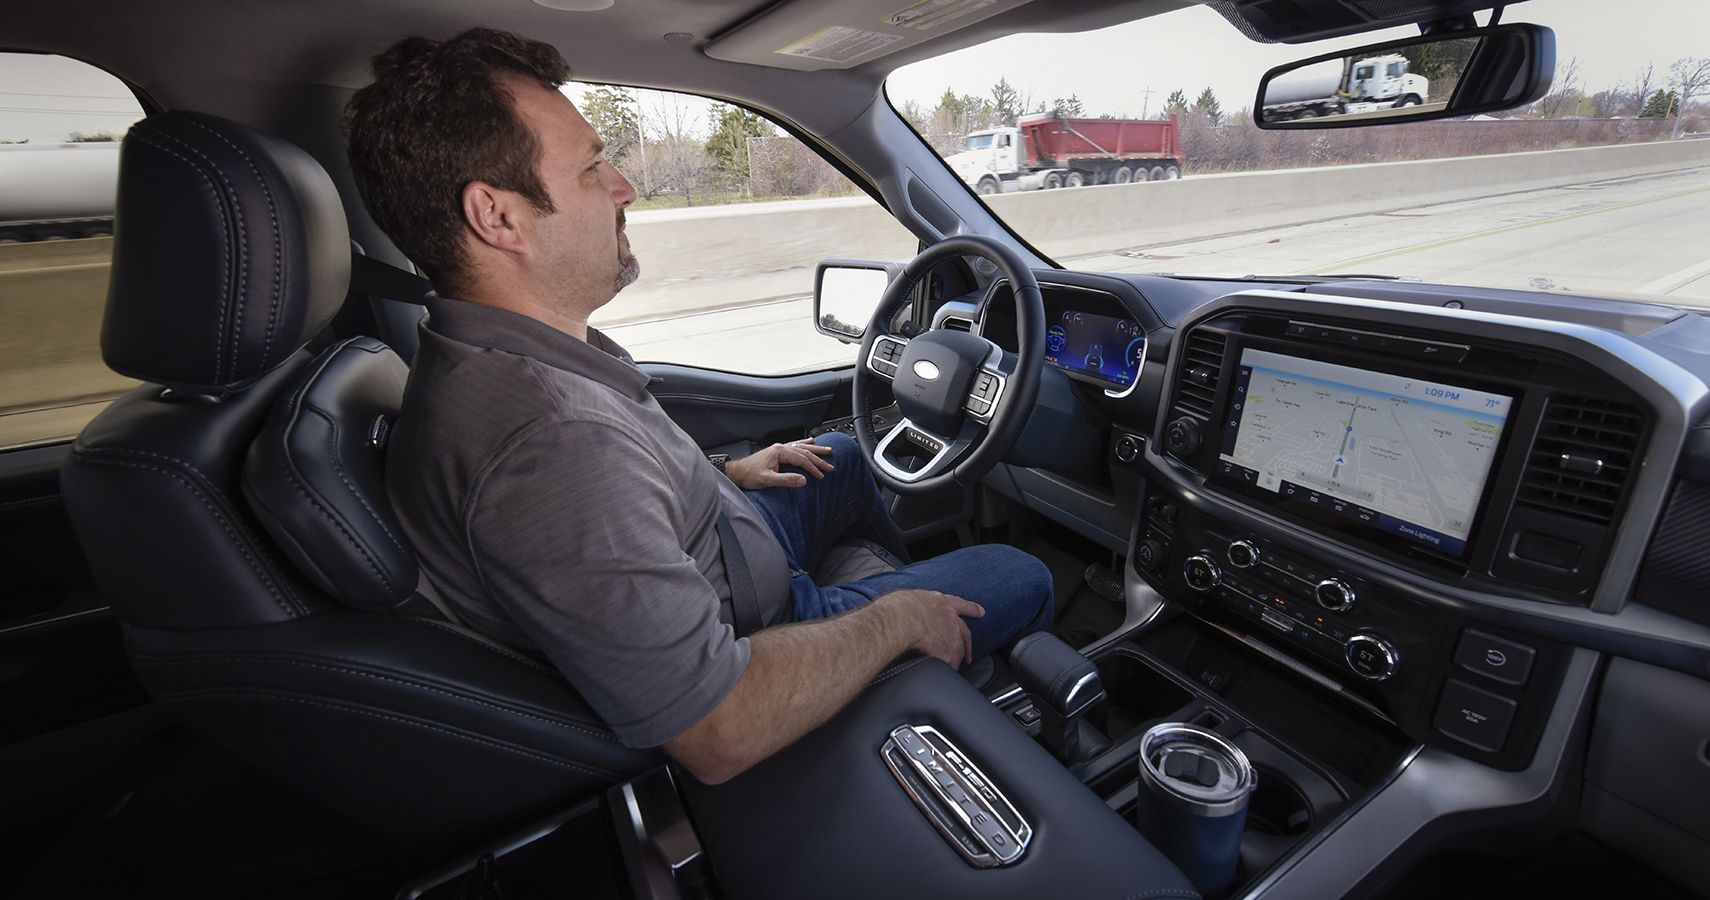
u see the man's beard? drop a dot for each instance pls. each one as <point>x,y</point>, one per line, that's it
<point>629,267</point>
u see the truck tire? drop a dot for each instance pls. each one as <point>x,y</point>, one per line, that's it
<point>1074,179</point>
<point>1172,173</point>
<point>1053,181</point>
<point>1122,175</point>
<point>988,186</point>
<point>1157,173</point>
<point>1409,100</point>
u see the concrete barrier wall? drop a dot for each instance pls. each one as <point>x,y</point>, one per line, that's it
<point>1087,221</point>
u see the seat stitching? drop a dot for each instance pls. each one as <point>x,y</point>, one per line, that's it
<point>236,298</point>
<point>26,501</point>
<point>225,244</point>
<point>278,254</point>
<point>349,485</point>
<point>896,670</point>
<point>93,457</point>
<point>417,723</point>
<point>486,645</point>
<point>157,660</point>
<point>287,465</point>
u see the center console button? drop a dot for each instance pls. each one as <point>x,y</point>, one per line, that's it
<point>1474,716</point>
<point>1335,595</point>
<point>1371,657</point>
<point>1201,573</point>
<point>1242,554</point>
<point>1493,657</point>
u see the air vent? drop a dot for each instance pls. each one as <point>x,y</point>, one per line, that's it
<point>957,323</point>
<point>1196,384</point>
<point>1581,459</point>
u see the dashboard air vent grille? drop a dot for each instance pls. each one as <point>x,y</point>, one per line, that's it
<point>957,323</point>
<point>1582,457</point>
<point>1196,390</point>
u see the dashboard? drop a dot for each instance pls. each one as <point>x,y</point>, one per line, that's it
<point>1420,499</point>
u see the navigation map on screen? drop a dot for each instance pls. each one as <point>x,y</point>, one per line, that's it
<point>1399,454</point>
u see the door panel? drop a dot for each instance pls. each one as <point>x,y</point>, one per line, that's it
<point>721,409</point>
<point>61,654</point>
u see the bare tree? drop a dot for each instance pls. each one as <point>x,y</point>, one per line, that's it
<point>1646,81</point>
<point>1689,75</point>
<point>676,156</point>
<point>1566,95</point>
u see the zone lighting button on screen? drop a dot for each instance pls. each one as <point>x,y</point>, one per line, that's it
<point>1474,716</point>
<point>1494,657</point>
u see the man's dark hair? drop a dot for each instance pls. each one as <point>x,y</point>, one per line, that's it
<point>436,118</point>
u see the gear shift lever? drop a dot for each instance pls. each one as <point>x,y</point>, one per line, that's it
<point>1064,685</point>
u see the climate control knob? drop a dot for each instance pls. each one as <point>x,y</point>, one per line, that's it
<point>1335,595</point>
<point>1182,438</point>
<point>1371,657</point>
<point>1201,572</point>
<point>1242,554</point>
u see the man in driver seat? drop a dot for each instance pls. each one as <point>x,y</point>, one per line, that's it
<point>553,503</point>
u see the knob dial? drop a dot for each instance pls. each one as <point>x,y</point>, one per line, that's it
<point>1127,448</point>
<point>1371,657</point>
<point>1335,595</point>
<point>1242,554</point>
<point>1182,437</point>
<point>1148,554</point>
<point>1201,572</point>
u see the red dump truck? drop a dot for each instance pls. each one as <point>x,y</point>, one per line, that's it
<point>1051,151</point>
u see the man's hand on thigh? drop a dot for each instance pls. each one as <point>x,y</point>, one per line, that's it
<point>765,468</point>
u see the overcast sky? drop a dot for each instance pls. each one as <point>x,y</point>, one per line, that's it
<point>1194,48</point>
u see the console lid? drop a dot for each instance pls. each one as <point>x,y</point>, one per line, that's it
<point>827,817</point>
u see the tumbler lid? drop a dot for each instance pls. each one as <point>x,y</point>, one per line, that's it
<point>1195,764</point>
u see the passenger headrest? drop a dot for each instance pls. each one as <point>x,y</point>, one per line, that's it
<point>315,476</point>
<point>230,252</point>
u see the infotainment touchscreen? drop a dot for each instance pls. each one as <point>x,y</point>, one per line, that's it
<point>1401,455</point>
<point>1103,348</point>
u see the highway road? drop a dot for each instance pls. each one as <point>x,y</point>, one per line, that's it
<point>1647,234</point>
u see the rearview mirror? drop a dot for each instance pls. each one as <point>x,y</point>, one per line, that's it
<point>845,293</point>
<point>1457,73</point>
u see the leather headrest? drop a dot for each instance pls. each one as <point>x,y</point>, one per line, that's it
<point>315,476</point>
<point>230,252</point>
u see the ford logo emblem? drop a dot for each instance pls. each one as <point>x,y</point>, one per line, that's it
<point>926,370</point>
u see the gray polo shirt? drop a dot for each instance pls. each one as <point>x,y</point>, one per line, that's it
<point>554,504</point>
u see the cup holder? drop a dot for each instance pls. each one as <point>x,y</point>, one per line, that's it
<point>1276,806</point>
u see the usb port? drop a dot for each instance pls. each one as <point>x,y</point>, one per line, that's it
<point>1276,621</point>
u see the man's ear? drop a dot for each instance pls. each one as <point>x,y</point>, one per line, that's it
<point>497,217</point>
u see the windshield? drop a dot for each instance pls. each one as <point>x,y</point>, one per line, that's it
<point>1600,187</point>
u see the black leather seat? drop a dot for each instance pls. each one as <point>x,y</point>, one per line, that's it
<point>234,514</point>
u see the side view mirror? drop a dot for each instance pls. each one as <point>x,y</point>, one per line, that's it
<point>1434,76</point>
<point>845,293</point>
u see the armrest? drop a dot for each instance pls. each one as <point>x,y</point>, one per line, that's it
<point>826,817</point>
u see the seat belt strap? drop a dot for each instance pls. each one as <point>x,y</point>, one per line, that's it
<point>426,591</point>
<point>744,603</point>
<point>388,282</point>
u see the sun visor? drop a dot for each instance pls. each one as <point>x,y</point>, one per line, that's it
<point>807,36</point>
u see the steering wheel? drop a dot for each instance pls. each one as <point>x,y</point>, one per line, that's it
<point>964,400</point>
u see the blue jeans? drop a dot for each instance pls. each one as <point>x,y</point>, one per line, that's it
<point>1012,586</point>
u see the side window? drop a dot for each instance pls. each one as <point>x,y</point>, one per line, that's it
<point>60,124</point>
<point>1394,70</point>
<point>732,215</point>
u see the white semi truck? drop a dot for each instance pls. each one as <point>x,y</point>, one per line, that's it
<point>1338,87</point>
<point>1047,150</point>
